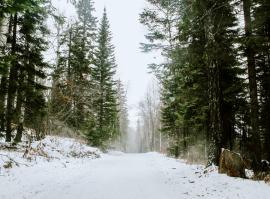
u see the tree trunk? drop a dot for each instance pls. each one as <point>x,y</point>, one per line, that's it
<point>250,54</point>
<point>185,142</point>
<point>19,107</point>
<point>265,101</point>
<point>3,91</point>
<point>4,81</point>
<point>216,124</point>
<point>227,128</point>
<point>215,96</point>
<point>12,87</point>
<point>264,31</point>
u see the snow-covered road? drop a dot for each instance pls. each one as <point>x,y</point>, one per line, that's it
<point>125,176</point>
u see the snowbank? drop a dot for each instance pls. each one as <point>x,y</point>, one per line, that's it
<point>47,150</point>
<point>56,147</point>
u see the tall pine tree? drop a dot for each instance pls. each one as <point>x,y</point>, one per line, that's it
<point>105,104</point>
<point>261,31</point>
<point>24,65</point>
<point>73,87</point>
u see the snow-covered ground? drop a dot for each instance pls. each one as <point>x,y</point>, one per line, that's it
<point>50,149</point>
<point>121,176</point>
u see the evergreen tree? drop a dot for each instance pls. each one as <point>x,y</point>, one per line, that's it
<point>161,19</point>
<point>12,83</point>
<point>31,78</point>
<point>122,114</point>
<point>201,84</point>
<point>220,57</point>
<point>3,65</point>
<point>261,27</point>
<point>105,104</point>
<point>253,90</point>
<point>23,58</point>
<point>81,58</point>
<point>73,87</point>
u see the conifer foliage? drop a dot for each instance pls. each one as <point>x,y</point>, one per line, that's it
<point>123,116</point>
<point>22,86</point>
<point>72,86</point>
<point>105,104</point>
<point>207,103</point>
<point>76,93</point>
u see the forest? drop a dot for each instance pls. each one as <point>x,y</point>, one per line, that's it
<point>212,89</point>
<point>77,92</point>
<point>215,80</point>
<point>71,124</point>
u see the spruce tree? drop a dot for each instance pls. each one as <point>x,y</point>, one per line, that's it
<point>3,66</point>
<point>82,50</point>
<point>105,104</point>
<point>253,87</point>
<point>261,31</point>
<point>161,19</point>
<point>122,108</point>
<point>73,87</point>
<point>200,97</point>
<point>13,73</point>
<point>24,46</point>
<point>31,102</point>
<point>223,73</point>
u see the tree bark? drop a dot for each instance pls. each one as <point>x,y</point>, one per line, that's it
<point>4,81</point>
<point>12,87</point>
<point>216,122</point>
<point>254,107</point>
<point>3,91</point>
<point>19,106</point>
<point>215,96</point>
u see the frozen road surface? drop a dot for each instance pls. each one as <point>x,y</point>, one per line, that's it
<point>125,176</point>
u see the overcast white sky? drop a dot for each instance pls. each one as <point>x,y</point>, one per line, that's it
<point>128,33</point>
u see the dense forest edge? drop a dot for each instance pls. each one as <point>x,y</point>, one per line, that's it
<point>213,84</point>
<point>215,78</point>
<point>76,94</point>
